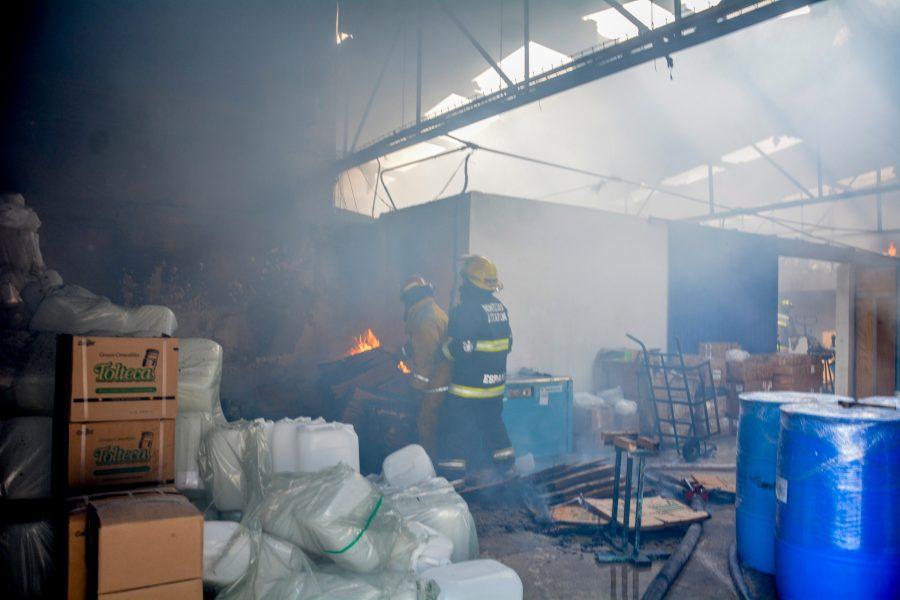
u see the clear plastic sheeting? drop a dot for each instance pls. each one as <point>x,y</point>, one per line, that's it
<point>189,431</point>
<point>837,487</point>
<point>34,384</point>
<point>221,465</point>
<point>336,514</point>
<point>473,579</point>
<point>75,310</point>
<point>227,552</point>
<point>274,566</point>
<point>199,375</point>
<point>25,445</point>
<point>436,504</point>
<point>26,559</point>
<point>419,548</point>
<point>20,250</point>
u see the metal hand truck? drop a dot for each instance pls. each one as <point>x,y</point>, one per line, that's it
<point>684,398</point>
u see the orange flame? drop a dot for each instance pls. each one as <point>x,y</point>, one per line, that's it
<point>363,343</point>
<point>892,250</point>
<point>403,368</point>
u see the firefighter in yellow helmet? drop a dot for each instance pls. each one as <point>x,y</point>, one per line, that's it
<point>426,327</point>
<point>473,439</point>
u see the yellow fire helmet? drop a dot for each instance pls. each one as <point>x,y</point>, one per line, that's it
<point>480,272</point>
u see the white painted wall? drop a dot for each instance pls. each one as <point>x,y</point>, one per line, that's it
<point>575,280</point>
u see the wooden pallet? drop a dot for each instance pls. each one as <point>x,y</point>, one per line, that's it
<point>658,513</point>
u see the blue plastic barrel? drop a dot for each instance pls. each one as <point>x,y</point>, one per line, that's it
<point>757,447</point>
<point>837,522</point>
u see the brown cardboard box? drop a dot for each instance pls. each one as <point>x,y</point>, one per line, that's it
<point>76,546</point>
<point>119,453</point>
<point>182,590</point>
<point>118,379</point>
<point>125,543</point>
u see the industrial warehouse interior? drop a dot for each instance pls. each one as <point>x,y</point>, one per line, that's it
<point>450,299</point>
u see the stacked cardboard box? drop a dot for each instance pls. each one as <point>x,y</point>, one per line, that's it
<point>715,353</point>
<point>773,372</point>
<point>115,413</point>
<point>147,543</point>
<point>797,372</point>
<point>118,400</point>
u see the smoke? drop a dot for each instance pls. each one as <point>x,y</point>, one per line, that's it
<point>818,77</point>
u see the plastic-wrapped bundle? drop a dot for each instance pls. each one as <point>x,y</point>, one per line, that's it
<point>407,466</point>
<point>26,559</point>
<point>25,444</point>
<point>336,584</point>
<point>227,551</point>
<point>20,249</point>
<point>322,445</point>
<point>419,548</point>
<point>837,534</point>
<point>34,384</point>
<point>757,448</point>
<point>221,465</point>
<point>268,564</point>
<point>149,320</point>
<point>436,504</point>
<point>199,374</point>
<point>189,431</point>
<point>335,513</point>
<point>472,579</point>
<point>75,310</point>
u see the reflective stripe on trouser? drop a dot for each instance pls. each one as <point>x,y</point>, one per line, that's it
<point>473,429</point>
<point>504,454</point>
<point>465,391</point>
<point>501,345</point>
<point>452,464</point>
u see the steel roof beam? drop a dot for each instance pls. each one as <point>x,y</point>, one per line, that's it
<point>691,30</point>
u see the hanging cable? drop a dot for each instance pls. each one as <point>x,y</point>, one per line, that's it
<point>466,172</point>
<point>455,171</point>
<point>563,167</point>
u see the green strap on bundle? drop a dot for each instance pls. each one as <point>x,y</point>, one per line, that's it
<point>360,534</point>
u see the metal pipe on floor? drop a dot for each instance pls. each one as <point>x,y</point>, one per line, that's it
<point>737,576</point>
<point>666,576</point>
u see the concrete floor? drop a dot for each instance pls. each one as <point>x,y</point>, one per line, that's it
<point>556,566</point>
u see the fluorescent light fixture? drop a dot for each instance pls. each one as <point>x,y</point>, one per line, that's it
<point>770,145</point>
<point>612,25</point>
<point>540,58</point>
<point>803,10</point>
<point>698,173</point>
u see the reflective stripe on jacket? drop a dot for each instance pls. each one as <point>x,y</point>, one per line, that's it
<point>426,327</point>
<point>479,340</point>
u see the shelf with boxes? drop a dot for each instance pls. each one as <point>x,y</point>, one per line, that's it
<point>95,494</point>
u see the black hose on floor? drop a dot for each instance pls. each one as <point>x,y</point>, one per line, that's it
<point>660,585</point>
<point>737,576</point>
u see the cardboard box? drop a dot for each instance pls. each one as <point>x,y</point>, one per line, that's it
<point>182,590</point>
<point>134,544</point>
<point>117,379</point>
<point>120,453</point>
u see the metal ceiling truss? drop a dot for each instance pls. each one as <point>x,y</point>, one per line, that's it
<point>598,62</point>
